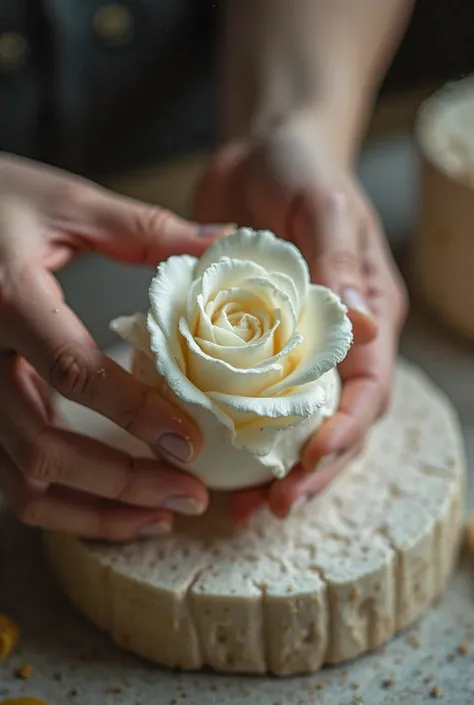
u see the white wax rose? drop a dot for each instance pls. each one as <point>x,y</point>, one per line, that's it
<point>247,347</point>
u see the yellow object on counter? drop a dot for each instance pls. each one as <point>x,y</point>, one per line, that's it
<point>9,636</point>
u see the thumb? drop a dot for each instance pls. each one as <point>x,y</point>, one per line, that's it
<point>134,232</point>
<point>333,251</point>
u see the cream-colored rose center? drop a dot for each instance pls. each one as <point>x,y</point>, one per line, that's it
<point>241,313</point>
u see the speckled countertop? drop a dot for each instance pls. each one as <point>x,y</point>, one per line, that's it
<point>73,663</point>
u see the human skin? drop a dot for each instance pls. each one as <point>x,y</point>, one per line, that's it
<point>52,476</point>
<point>298,84</point>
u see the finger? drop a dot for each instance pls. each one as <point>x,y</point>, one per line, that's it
<point>48,455</point>
<point>366,376</point>
<point>282,495</point>
<point>299,486</point>
<point>366,380</point>
<point>327,234</point>
<point>131,231</point>
<point>244,503</point>
<point>41,327</point>
<point>75,513</point>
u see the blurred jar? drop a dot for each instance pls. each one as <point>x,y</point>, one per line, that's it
<point>443,265</point>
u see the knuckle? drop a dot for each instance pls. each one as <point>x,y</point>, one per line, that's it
<point>72,372</point>
<point>126,490</point>
<point>343,260</point>
<point>151,221</point>
<point>149,224</point>
<point>132,415</point>
<point>37,463</point>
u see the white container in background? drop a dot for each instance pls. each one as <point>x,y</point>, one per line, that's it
<point>443,267</point>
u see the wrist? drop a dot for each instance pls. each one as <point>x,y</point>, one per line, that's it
<point>333,135</point>
<point>338,116</point>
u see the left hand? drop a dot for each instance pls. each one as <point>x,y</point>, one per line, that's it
<point>294,183</point>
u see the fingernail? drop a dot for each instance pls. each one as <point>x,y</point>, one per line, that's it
<point>208,231</point>
<point>325,462</point>
<point>178,447</point>
<point>355,302</point>
<point>184,505</point>
<point>153,529</point>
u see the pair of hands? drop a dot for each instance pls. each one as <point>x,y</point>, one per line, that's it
<point>60,480</point>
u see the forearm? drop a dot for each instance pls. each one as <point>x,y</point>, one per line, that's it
<point>325,58</point>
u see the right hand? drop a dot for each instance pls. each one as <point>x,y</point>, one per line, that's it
<point>51,476</point>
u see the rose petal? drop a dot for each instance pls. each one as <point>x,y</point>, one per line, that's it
<point>260,350</point>
<point>284,445</point>
<point>285,284</point>
<point>179,384</point>
<point>263,248</point>
<point>210,373</point>
<point>217,428</point>
<point>302,404</point>
<point>281,302</point>
<point>260,435</point>
<point>326,341</point>
<point>221,275</point>
<point>226,273</point>
<point>277,442</point>
<point>167,293</point>
<point>244,302</point>
<point>133,329</point>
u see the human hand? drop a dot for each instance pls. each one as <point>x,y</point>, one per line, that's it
<point>296,183</point>
<point>52,477</point>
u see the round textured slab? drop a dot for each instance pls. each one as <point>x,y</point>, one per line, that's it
<point>337,578</point>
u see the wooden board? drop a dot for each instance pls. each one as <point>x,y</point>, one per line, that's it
<point>337,578</point>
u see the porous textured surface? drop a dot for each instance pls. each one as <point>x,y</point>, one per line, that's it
<point>337,578</point>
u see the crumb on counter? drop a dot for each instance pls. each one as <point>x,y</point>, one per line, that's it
<point>24,672</point>
<point>387,683</point>
<point>436,692</point>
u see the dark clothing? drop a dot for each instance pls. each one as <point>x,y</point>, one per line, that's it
<point>103,86</point>
<point>99,87</point>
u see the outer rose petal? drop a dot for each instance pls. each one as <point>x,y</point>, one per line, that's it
<point>259,457</point>
<point>327,337</point>
<point>263,248</point>
<point>167,295</point>
<point>133,330</point>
